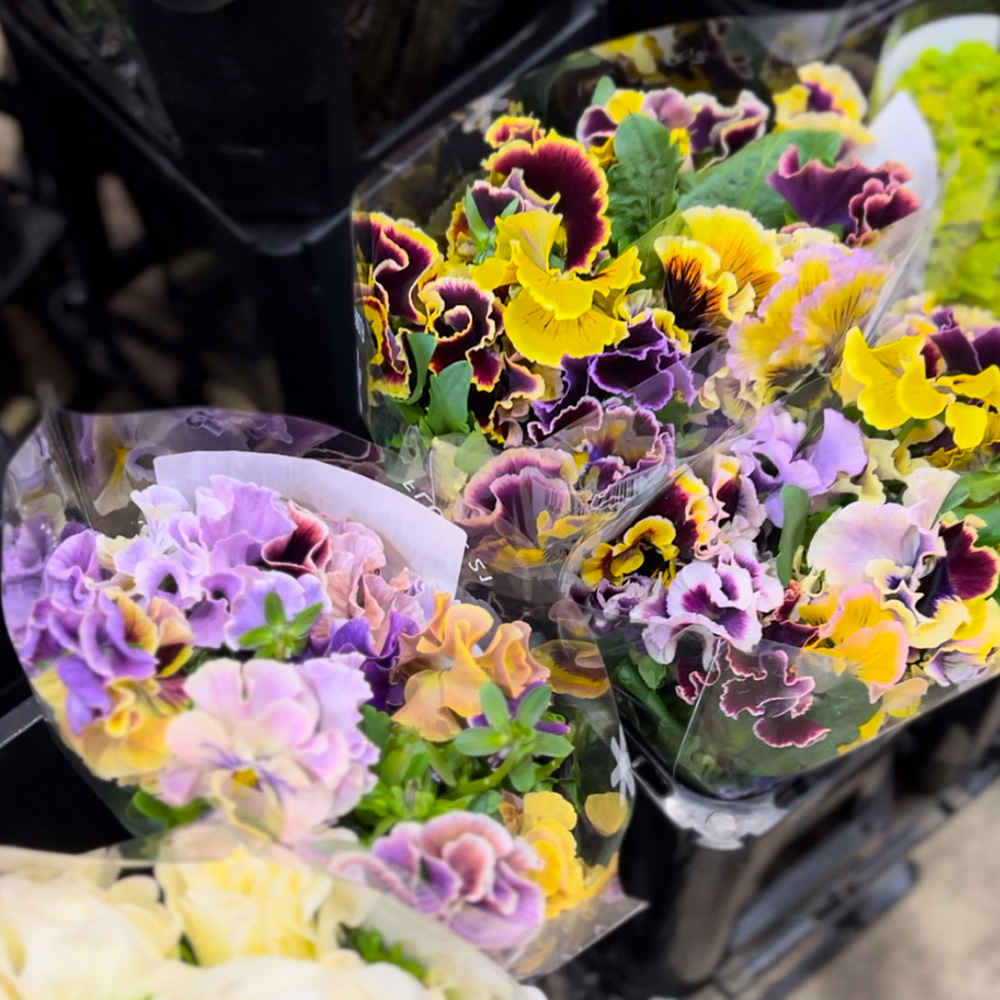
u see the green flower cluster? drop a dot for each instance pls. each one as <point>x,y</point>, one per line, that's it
<point>959,95</point>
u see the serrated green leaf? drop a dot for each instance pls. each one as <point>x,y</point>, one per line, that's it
<point>256,637</point>
<point>300,625</point>
<point>642,185</point>
<point>274,609</point>
<point>741,180</point>
<point>494,706</point>
<point>652,672</point>
<point>422,346</point>
<point>604,91</point>
<point>448,410</point>
<point>551,745</point>
<point>795,504</point>
<point>533,706</point>
<point>478,741</point>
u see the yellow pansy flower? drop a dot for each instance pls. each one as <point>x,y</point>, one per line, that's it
<point>556,312</point>
<point>826,98</point>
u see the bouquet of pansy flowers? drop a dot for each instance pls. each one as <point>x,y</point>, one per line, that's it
<point>559,326</point>
<point>833,572</point>
<point>237,616</point>
<point>206,915</point>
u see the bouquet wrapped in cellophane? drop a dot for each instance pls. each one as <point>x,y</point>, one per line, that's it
<point>207,914</point>
<point>797,592</point>
<point>262,619</point>
<point>551,285</point>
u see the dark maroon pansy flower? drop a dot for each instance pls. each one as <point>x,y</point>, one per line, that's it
<point>765,686</point>
<point>953,351</point>
<point>555,166</point>
<point>965,572</point>
<point>466,320</point>
<point>398,257</point>
<point>725,130</point>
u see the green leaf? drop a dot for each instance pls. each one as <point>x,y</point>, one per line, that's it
<point>604,91</point>
<point>512,208</point>
<point>524,776</point>
<point>988,534</point>
<point>741,180</point>
<point>473,453</point>
<point>256,637</point>
<point>300,625</point>
<point>642,186</point>
<point>494,706</point>
<point>795,502</point>
<point>652,672</point>
<point>550,745</point>
<point>448,410</point>
<point>274,609</point>
<point>478,741</point>
<point>480,231</point>
<point>422,346</point>
<point>376,725</point>
<point>533,706</point>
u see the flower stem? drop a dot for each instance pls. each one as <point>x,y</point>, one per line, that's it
<point>490,781</point>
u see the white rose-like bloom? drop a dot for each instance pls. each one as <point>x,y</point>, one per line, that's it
<point>66,938</point>
<point>249,905</point>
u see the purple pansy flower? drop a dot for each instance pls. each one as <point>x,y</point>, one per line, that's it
<point>72,570</point>
<point>725,130</point>
<point>296,593</point>
<point>857,198</point>
<point>462,868</point>
<point>306,549</point>
<point>355,636</point>
<point>774,449</point>
<point>768,688</point>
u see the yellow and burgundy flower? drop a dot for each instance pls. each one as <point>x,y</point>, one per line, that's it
<point>466,320</point>
<point>699,294</point>
<point>396,256</point>
<point>860,200</point>
<point>650,536</point>
<point>800,327</point>
<point>826,98</point>
<point>389,358</point>
<point>554,167</point>
<point>496,408</point>
<point>514,128</point>
<point>746,249</point>
<point>559,312</point>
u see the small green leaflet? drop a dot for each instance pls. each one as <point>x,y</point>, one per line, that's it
<point>741,180</point>
<point>642,185</point>
<point>421,346</point>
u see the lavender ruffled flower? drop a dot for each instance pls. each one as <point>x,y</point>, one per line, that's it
<point>296,595</point>
<point>777,458</point>
<point>461,868</point>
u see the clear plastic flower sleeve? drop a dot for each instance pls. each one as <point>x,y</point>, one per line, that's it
<point>265,621</point>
